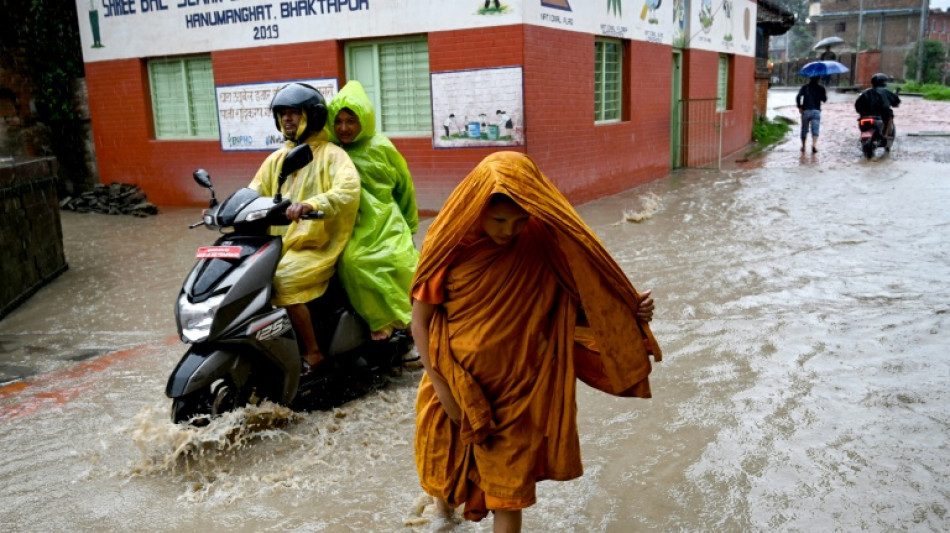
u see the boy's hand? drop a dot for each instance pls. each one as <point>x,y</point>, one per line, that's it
<point>645,309</point>
<point>452,409</point>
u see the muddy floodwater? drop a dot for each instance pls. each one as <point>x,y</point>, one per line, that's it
<point>803,304</point>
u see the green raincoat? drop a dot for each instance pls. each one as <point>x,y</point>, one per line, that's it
<point>311,247</point>
<point>379,261</point>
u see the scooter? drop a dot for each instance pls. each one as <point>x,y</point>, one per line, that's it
<point>245,350</point>
<point>873,136</point>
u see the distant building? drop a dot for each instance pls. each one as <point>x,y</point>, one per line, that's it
<point>884,31</point>
<point>938,26</point>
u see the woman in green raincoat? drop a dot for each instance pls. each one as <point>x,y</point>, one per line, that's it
<point>379,261</point>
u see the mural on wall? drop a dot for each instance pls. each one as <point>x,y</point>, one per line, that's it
<point>716,27</point>
<point>680,17</point>
<point>557,4</point>
<point>614,7</point>
<point>94,25</point>
<point>648,20</point>
<point>492,7</point>
<point>649,9</point>
<point>478,108</point>
<point>245,119</point>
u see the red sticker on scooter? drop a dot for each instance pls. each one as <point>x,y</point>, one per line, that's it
<point>219,252</point>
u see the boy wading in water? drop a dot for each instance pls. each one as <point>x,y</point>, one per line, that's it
<point>515,298</point>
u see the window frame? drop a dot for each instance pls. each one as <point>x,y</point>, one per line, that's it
<point>375,93</point>
<point>724,82</point>
<point>193,100</point>
<point>621,83</point>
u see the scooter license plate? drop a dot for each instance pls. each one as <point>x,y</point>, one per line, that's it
<point>866,135</point>
<point>219,252</point>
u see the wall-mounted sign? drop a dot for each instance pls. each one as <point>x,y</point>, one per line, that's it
<point>475,108</point>
<point>244,115</point>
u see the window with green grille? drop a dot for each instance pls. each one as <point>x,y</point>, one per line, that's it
<point>395,75</point>
<point>608,80</point>
<point>722,95</point>
<point>183,99</point>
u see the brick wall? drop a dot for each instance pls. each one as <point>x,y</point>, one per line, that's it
<point>31,236</point>
<point>585,160</point>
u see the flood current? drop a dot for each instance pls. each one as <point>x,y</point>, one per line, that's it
<point>803,304</point>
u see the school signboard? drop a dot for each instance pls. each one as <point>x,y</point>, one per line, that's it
<point>122,29</point>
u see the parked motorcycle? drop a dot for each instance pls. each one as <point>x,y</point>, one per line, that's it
<point>243,349</point>
<point>873,136</point>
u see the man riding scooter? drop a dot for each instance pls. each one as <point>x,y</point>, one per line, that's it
<point>877,101</point>
<point>330,184</point>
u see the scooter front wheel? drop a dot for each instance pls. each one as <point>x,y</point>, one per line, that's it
<point>200,406</point>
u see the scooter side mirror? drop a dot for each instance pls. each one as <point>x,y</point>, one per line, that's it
<point>299,157</point>
<point>204,179</point>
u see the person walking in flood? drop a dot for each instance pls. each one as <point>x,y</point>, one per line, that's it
<point>809,100</point>
<point>380,258</point>
<point>514,299</point>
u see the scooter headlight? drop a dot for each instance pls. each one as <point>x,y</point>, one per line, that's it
<point>196,318</point>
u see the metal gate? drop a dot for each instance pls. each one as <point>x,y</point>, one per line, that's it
<point>700,133</point>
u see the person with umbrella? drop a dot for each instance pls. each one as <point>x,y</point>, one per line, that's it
<point>809,100</point>
<point>828,55</point>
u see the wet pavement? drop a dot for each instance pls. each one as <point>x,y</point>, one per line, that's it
<point>803,307</point>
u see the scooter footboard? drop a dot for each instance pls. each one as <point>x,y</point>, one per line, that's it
<point>197,370</point>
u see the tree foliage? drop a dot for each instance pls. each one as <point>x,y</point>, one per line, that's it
<point>48,32</point>
<point>935,57</point>
<point>800,38</point>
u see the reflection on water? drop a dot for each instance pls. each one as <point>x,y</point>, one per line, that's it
<point>803,312</point>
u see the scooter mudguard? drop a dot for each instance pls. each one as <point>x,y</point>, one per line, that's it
<point>197,370</point>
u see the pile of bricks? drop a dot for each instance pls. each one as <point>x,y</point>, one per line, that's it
<point>113,199</point>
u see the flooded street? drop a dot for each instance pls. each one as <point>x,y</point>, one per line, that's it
<point>803,304</point>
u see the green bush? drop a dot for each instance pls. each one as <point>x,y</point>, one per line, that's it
<point>930,91</point>
<point>767,132</point>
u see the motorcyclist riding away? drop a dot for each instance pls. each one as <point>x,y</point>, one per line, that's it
<point>877,101</point>
<point>330,184</point>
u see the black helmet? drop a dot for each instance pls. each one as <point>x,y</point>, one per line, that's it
<point>305,98</point>
<point>879,80</point>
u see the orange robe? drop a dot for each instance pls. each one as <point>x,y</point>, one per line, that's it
<point>506,339</point>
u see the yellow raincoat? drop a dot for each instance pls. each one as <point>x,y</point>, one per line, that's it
<point>311,247</point>
<point>513,327</point>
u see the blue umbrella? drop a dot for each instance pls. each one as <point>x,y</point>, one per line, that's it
<point>822,68</point>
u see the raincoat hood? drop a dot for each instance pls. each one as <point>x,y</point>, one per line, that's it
<point>353,97</point>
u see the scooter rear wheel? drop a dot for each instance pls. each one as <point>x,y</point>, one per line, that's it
<point>868,149</point>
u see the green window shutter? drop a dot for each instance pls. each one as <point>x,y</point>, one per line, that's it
<point>201,97</point>
<point>608,80</point>
<point>395,75</point>
<point>169,104</point>
<point>723,83</point>
<point>183,98</point>
<point>362,67</point>
<point>405,99</point>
